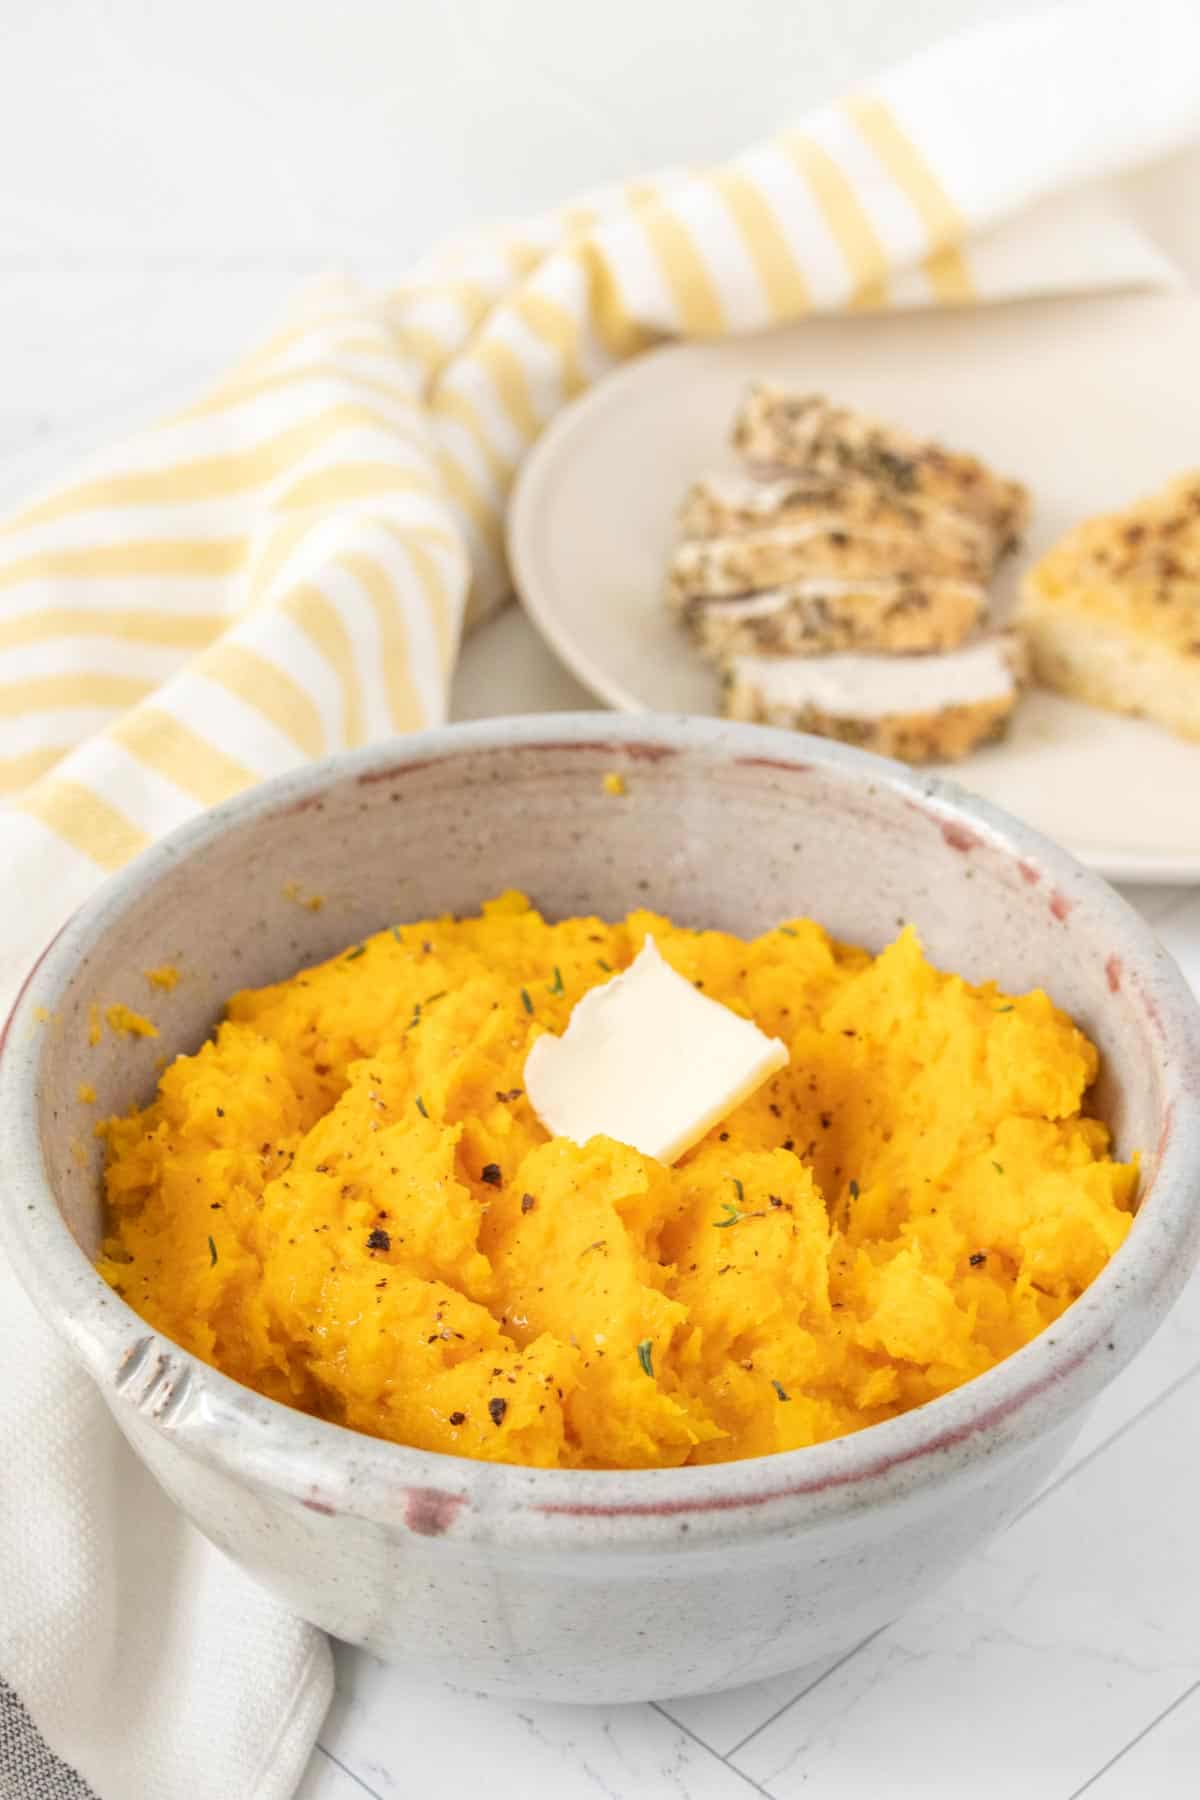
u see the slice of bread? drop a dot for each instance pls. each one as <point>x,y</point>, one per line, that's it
<point>918,708</point>
<point>1111,615</point>
<point>816,617</point>
<point>777,430</point>
<point>715,568</point>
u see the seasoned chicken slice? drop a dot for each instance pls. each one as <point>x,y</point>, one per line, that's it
<point>777,430</point>
<point>918,708</point>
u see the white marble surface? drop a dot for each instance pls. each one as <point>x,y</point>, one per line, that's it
<point>170,177</point>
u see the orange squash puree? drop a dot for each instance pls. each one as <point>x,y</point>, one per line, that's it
<point>345,1201</point>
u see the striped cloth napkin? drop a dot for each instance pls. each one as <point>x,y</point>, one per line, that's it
<point>285,568</point>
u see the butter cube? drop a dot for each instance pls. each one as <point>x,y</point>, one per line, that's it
<point>649,1061</point>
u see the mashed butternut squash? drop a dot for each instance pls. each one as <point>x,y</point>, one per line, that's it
<point>345,1201</point>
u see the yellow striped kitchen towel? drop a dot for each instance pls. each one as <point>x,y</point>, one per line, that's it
<point>285,568</point>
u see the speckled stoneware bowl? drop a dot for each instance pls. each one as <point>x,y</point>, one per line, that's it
<point>564,1584</point>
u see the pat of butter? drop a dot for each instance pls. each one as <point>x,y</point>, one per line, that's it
<point>649,1061</point>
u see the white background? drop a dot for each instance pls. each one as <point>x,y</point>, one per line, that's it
<point>169,174</point>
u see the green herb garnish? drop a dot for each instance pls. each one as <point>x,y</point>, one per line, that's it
<point>418,1004</point>
<point>854,1190</point>
<point>421,1107</point>
<point>526,1002</point>
<point>1007,1008</point>
<point>556,986</point>
<point>645,1352</point>
<point>212,1254</point>
<point>396,934</point>
<point>353,955</point>
<point>788,931</point>
<point>780,1390</point>
<point>732,1212</point>
<point>999,1168</point>
<point>607,967</point>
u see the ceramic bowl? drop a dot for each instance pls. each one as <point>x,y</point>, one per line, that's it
<point>574,1584</point>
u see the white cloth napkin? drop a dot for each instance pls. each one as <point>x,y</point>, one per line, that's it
<point>283,570</point>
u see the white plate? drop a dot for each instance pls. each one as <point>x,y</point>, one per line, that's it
<point>1087,401</point>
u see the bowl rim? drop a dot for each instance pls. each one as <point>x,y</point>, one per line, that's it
<point>333,1470</point>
